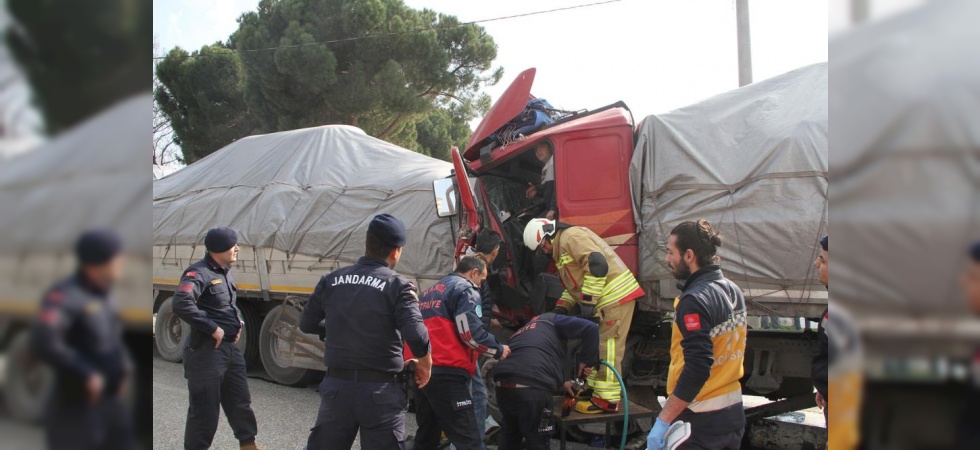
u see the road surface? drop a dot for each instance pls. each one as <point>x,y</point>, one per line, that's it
<point>285,414</point>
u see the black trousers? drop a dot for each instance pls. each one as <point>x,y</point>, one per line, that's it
<point>522,409</point>
<point>376,409</point>
<point>715,430</point>
<point>445,405</point>
<point>80,425</point>
<point>216,379</point>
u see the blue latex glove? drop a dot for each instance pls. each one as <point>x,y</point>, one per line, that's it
<point>655,440</point>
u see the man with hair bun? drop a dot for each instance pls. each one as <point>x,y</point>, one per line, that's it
<point>707,346</point>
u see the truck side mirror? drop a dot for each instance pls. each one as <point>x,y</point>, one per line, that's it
<point>445,195</point>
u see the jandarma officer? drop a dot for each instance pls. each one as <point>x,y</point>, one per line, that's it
<point>79,333</point>
<point>213,365</point>
<point>367,309</point>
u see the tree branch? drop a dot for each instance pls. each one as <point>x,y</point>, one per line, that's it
<point>391,127</point>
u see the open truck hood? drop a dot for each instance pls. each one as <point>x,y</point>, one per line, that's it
<point>508,106</point>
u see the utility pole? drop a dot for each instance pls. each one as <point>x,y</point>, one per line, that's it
<point>744,42</point>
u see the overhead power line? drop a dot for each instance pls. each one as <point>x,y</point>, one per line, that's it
<point>417,30</point>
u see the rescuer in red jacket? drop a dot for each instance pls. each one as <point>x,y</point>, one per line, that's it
<point>457,335</point>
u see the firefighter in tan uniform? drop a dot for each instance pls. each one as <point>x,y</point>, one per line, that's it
<point>598,281</point>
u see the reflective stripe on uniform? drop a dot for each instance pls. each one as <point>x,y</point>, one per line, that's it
<point>593,285</point>
<point>610,356</point>
<point>618,288</point>
<point>564,259</point>
<point>716,403</point>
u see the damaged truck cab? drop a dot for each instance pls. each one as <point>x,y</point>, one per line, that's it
<point>592,152</point>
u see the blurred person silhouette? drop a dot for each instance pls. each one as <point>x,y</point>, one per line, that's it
<point>79,332</point>
<point>836,366</point>
<point>213,364</point>
<point>968,434</point>
<point>545,154</point>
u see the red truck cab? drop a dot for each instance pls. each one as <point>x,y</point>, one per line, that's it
<point>592,153</point>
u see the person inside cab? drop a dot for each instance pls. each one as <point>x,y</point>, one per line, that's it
<point>545,190</point>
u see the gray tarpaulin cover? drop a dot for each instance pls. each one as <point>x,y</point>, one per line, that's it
<point>753,162</point>
<point>905,103</point>
<point>94,175</point>
<point>311,191</point>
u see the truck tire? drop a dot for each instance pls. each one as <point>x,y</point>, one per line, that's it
<point>170,333</point>
<point>28,380</point>
<point>249,341</point>
<point>269,348</point>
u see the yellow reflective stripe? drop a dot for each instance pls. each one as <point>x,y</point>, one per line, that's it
<point>618,288</point>
<point>564,259</point>
<point>623,280</point>
<point>567,296</point>
<point>610,358</point>
<point>592,285</point>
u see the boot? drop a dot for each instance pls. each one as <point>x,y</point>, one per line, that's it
<point>249,446</point>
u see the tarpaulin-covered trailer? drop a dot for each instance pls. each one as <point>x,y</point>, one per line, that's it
<point>300,201</point>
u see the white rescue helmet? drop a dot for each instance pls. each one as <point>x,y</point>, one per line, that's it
<point>536,230</point>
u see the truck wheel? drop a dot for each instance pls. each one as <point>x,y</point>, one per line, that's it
<point>170,333</point>
<point>28,380</point>
<point>270,350</point>
<point>249,341</point>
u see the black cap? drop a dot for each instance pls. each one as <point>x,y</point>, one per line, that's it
<point>825,243</point>
<point>220,239</point>
<point>975,251</point>
<point>97,246</point>
<point>389,229</point>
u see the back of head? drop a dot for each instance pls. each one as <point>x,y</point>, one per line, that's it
<point>385,233</point>
<point>700,238</point>
<point>487,241</point>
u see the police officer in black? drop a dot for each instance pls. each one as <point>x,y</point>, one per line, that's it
<point>364,312</point>
<point>968,435</point>
<point>527,379</point>
<point>79,333</point>
<point>213,365</point>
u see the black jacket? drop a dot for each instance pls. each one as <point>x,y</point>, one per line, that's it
<point>486,303</point>
<point>206,299</point>
<point>821,358</point>
<point>538,349</point>
<point>367,310</point>
<point>79,333</point>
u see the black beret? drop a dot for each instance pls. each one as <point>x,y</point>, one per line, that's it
<point>389,229</point>
<point>975,251</point>
<point>97,246</point>
<point>220,239</point>
<point>825,243</point>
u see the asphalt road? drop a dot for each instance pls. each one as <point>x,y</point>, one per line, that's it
<point>14,434</point>
<point>284,414</point>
